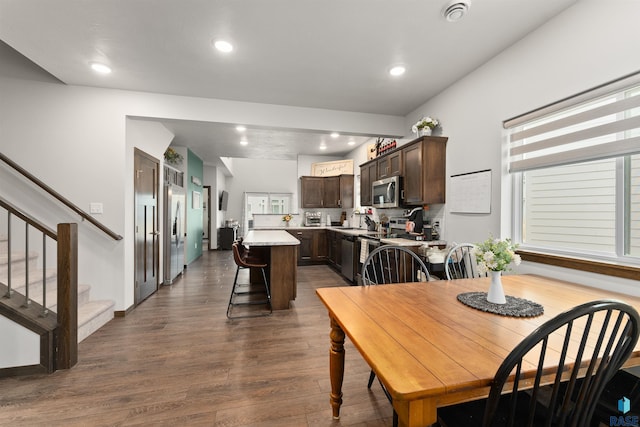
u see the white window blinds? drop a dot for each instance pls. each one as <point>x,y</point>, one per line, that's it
<point>597,124</point>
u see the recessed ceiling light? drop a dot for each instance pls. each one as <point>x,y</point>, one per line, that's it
<point>323,147</point>
<point>223,46</point>
<point>244,142</point>
<point>240,128</point>
<point>100,68</point>
<point>398,70</point>
<point>335,135</point>
<point>351,142</point>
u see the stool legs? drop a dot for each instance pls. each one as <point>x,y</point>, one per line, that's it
<point>235,292</point>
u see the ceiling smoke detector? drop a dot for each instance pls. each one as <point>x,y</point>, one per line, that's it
<point>456,10</point>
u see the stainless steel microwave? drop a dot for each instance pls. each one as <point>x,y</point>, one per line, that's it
<point>386,193</point>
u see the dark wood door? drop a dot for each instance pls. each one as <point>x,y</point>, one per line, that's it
<point>312,191</point>
<point>147,229</point>
<point>345,184</point>
<point>320,245</point>
<point>413,174</point>
<point>331,198</point>
<point>367,176</point>
<point>395,163</point>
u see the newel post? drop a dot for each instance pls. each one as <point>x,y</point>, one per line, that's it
<point>67,339</point>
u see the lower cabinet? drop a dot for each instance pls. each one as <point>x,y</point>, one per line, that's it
<point>313,245</point>
<point>334,246</point>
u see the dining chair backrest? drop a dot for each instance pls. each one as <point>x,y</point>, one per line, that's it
<point>393,264</point>
<point>460,262</point>
<point>601,333</point>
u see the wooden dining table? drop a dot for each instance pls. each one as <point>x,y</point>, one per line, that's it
<point>429,349</point>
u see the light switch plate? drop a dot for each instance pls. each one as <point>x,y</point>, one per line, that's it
<point>95,208</point>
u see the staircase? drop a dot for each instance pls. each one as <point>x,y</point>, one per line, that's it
<point>92,314</point>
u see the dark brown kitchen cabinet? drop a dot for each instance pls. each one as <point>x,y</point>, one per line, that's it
<point>368,174</point>
<point>421,163</point>
<point>313,245</point>
<point>424,174</point>
<point>390,165</point>
<point>327,192</point>
<point>312,191</point>
<point>334,248</point>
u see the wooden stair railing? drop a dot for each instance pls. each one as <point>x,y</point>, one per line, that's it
<point>59,339</point>
<point>84,215</point>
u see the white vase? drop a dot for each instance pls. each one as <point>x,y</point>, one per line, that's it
<point>496,293</point>
<point>424,131</point>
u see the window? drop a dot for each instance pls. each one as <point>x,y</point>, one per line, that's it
<point>576,171</point>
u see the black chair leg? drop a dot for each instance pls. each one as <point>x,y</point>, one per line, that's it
<point>372,376</point>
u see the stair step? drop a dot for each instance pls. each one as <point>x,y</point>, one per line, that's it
<point>92,316</point>
<point>35,280</point>
<point>84,292</point>
<point>17,262</point>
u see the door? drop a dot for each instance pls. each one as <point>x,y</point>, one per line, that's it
<point>206,215</point>
<point>147,234</point>
<point>312,192</point>
<point>413,175</point>
<point>331,192</point>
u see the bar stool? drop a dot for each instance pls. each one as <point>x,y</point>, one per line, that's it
<point>244,260</point>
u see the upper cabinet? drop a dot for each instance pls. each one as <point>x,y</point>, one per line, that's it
<point>390,165</point>
<point>327,192</point>
<point>368,174</point>
<point>421,163</point>
<point>424,170</point>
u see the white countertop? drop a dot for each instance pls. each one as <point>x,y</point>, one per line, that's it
<point>361,232</point>
<point>269,238</point>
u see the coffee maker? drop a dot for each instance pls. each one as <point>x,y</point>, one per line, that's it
<point>415,216</point>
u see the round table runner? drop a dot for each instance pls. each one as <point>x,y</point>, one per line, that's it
<point>515,307</point>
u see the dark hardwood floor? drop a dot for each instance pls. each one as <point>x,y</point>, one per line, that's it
<point>176,360</point>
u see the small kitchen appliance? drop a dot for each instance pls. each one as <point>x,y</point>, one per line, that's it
<point>312,219</point>
<point>415,216</point>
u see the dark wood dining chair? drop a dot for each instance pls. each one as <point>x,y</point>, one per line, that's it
<point>245,260</point>
<point>601,334</point>
<point>392,264</point>
<point>460,262</point>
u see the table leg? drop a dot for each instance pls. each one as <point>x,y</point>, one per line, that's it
<point>336,366</point>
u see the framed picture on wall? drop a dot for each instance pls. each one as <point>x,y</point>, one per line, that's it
<point>195,200</point>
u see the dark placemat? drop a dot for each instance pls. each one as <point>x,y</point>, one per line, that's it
<point>514,307</point>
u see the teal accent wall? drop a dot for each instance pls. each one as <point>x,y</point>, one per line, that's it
<point>194,214</point>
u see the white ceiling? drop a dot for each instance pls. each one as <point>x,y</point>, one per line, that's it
<point>331,54</point>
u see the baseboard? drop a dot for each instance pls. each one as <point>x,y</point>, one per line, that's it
<point>123,313</point>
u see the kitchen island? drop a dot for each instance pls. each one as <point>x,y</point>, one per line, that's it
<point>280,250</point>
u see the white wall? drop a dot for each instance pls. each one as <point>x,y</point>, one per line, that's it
<point>20,346</point>
<point>587,45</point>
<point>260,175</point>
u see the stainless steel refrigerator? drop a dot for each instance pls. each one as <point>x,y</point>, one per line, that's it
<point>174,231</point>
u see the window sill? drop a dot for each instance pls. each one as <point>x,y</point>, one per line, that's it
<point>606,268</point>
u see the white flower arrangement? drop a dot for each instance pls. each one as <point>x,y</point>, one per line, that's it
<point>425,122</point>
<point>496,255</point>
